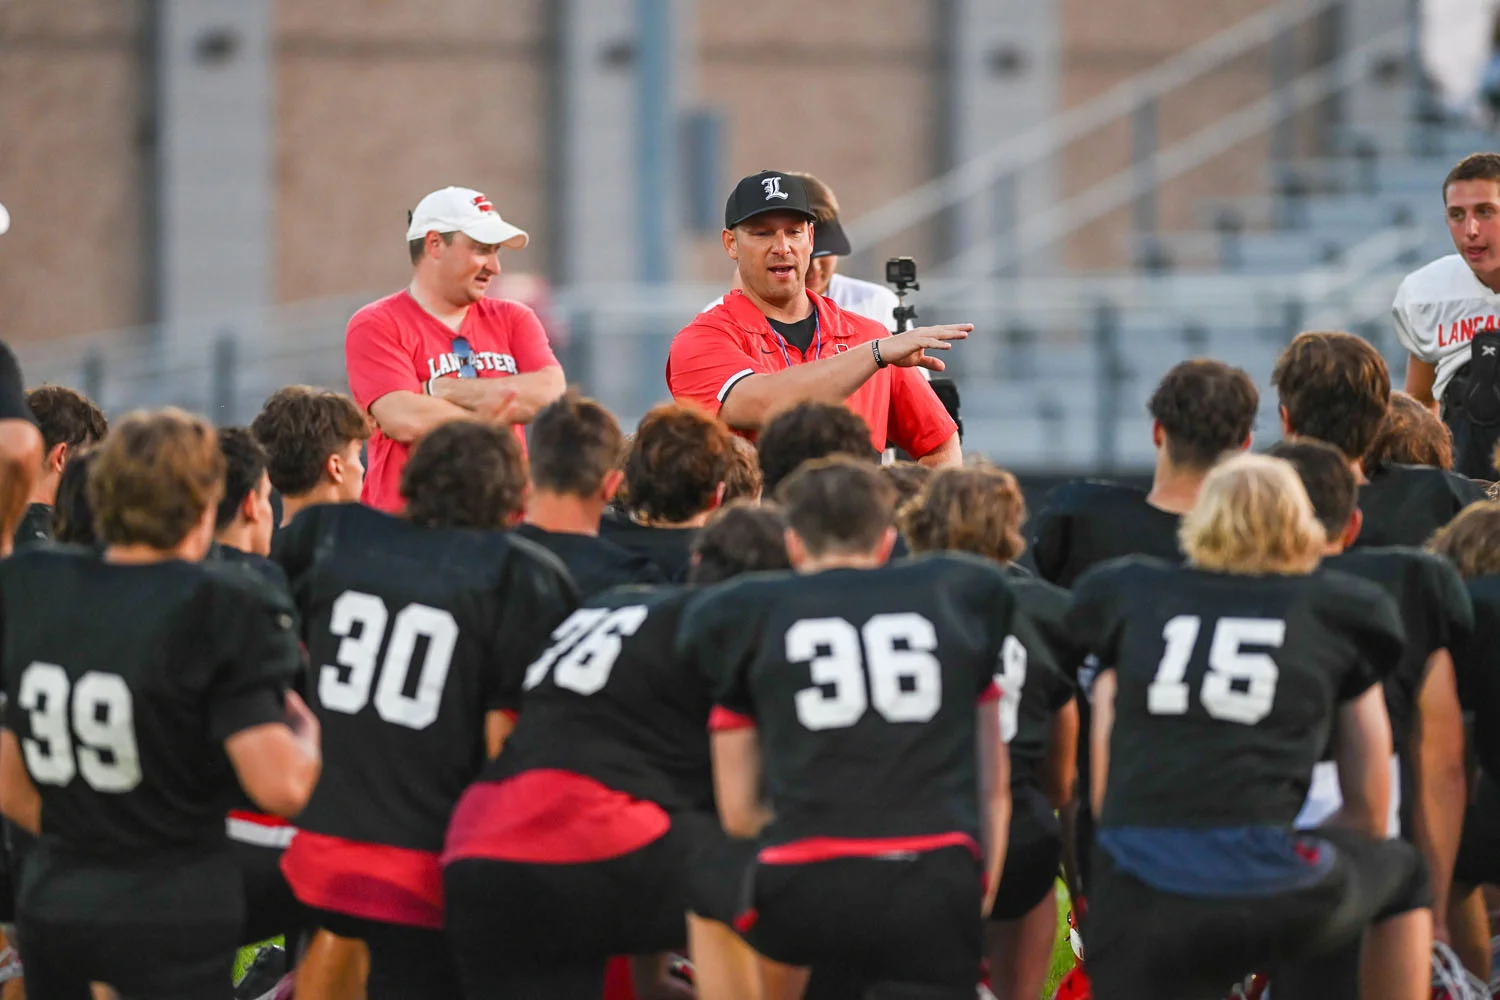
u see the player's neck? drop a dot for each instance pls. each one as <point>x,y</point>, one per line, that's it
<point>238,536</point>
<point>1489,279</point>
<point>1174,490</point>
<point>564,513</point>
<point>45,490</point>
<point>794,310</point>
<point>136,554</point>
<point>434,303</point>
<point>292,506</point>
<point>841,560</point>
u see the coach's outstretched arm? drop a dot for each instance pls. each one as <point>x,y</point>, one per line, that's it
<point>749,402</point>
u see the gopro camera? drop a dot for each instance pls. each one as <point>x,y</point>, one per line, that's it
<point>901,272</point>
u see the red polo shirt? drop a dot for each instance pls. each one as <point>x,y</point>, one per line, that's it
<point>394,344</point>
<point>734,340</point>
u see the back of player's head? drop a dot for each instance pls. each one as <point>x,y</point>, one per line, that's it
<point>1330,484</point>
<point>740,537</point>
<point>155,477</point>
<point>300,426</point>
<point>1471,541</point>
<point>72,514</point>
<point>1253,517</point>
<point>465,474</point>
<point>808,431</point>
<point>574,443</point>
<point>1334,387</point>
<point>908,478</point>
<point>677,461</point>
<point>1474,167</point>
<point>1410,434</point>
<point>66,416</point>
<point>820,197</point>
<point>1205,409</point>
<point>976,509</point>
<point>244,465</point>
<point>838,504</point>
<point>743,480</point>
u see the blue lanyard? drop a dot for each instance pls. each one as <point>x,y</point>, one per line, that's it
<point>817,342</point>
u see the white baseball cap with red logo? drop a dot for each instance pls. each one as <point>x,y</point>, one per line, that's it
<point>463,210</point>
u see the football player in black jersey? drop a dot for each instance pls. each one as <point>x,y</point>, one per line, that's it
<point>980,510</point>
<point>674,478</point>
<point>1220,685</point>
<point>70,423</point>
<point>575,843</point>
<point>1471,541</point>
<point>1200,411</point>
<point>1421,695</point>
<point>72,516</point>
<point>573,445</point>
<point>1410,434</point>
<point>419,629</point>
<point>850,689</point>
<point>140,685</point>
<point>313,440</point>
<point>21,449</point>
<point>1335,387</point>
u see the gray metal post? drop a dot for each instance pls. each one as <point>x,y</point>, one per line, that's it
<point>222,403</point>
<point>1107,377</point>
<point>656,137</point>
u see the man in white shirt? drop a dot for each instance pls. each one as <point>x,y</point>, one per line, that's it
<point>1446,310</point>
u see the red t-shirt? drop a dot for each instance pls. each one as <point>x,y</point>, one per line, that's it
<point>394,344</point>
<point>734,340</point>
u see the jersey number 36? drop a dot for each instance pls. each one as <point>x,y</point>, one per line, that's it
<point>895,650</point>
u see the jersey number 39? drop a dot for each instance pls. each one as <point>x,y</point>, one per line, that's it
<point>96,739</point>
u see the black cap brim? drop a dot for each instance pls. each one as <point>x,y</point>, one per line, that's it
<point>829,239</point>
<point>809,216</point>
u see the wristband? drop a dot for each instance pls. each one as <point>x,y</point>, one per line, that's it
<point>875,349</point>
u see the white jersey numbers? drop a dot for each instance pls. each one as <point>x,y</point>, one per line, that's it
<point>584,648</point>
<point>361,619</point>
<point>1238,686</point>
<point>888,663</point>
<point>88,730</point>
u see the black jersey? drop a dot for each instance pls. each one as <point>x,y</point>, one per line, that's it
<point>257,568</point>
<point>1036,663</point>
<point>1227,686</point>
<point>1474,663</point>
<point>35,526</point>
<point>1406,504</point>
<point>669,549</point>
<point>413,635</point>
<point>13,405</point>
<point>862,684</point>
<point>1436,613</point>
<point>612,699</point>
<point>596,564</point>
<point>1089,522</point>
<point>122,684</point>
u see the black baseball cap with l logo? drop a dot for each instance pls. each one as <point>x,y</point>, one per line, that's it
<point>767,191</point>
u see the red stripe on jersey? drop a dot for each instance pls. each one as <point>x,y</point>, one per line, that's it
<point>372,881</point>
<point>550,817</point>
<point>990,694</point>
<point>801,852</point>
<point>721,719</point>
<point>259,819</point>
<point>619,981</point>
<point>510,714</point>
<point>747,920</point>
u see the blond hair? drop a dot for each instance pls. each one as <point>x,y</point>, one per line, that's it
<point>1471,541</point>
<point>976,509</point>
<point>1253,517</point>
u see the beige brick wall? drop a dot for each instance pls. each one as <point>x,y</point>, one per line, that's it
<point>70,169</point>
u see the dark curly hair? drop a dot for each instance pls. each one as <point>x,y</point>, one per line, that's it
<point>808,431</point>
<point>740,537</point>
<point>1205,408</point>
<point>244,464</point>
<point>465,474</point>
<point>679,457</point>
<point>1326,476</point>
<point>743,481</point>
<point>1474,167</point>
<point>976,509</point>
<point>300,426</point>
<point>66,416</point>
<point>574,443</point>
<point>1410,434</point>
<point>1335,387</point>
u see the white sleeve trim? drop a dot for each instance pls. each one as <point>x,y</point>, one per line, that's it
<point>732,381</point>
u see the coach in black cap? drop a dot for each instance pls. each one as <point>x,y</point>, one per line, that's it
<point>772,343</point>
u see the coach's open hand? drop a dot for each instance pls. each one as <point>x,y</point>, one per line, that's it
<point>908,350</point>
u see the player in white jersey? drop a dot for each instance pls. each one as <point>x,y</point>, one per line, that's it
<point>1446,309</point>
<point>855,295</point>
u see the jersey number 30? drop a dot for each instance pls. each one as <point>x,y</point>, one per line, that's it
<point>357,654</point>
<point>1237,687</point>
<point>96,739</point>
<point>895,650</point>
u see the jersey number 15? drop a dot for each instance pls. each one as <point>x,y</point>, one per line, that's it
<point>1238,686</point>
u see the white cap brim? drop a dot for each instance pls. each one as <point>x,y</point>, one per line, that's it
<point>496,230</point>
<point>4,220</point>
